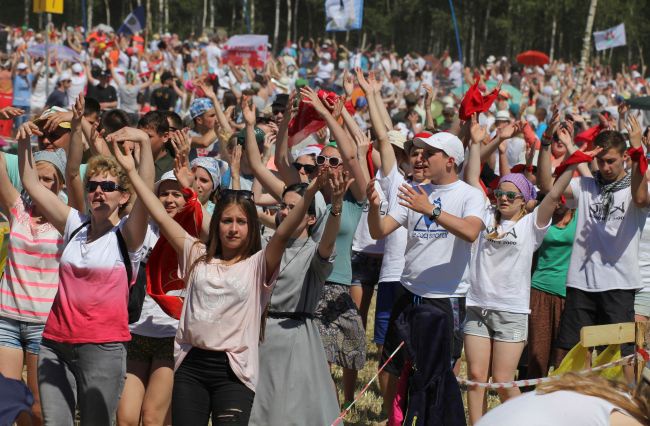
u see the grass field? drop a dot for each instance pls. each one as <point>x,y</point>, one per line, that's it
<point>368,410</point>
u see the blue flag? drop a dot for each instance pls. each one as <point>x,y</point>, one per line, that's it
<point>133,23</point>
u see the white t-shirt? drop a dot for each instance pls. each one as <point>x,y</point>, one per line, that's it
<point>325,71</point>
<point>77,85</point>
<point>362,241</point>
<point>605,254</point>
<point>500,271</point>
<point>153,322</point>
<point>437,262</point>
<point>213,54</point>
<point>559,408</point>
<point>392,264</point>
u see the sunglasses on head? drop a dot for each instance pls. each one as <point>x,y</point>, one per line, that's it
<point>236,193</point>
<point>331,161</point>
<point>510,195</point>
<point>105,185</point>
<point>309,168</point>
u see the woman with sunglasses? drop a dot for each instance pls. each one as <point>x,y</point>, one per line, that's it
<point>338,317</point>
<point>229,280</point>
<point>292,346</point>
<point>496,324</point>
<point>82,359</point>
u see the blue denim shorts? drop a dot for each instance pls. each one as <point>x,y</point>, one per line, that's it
<point>21,334</point>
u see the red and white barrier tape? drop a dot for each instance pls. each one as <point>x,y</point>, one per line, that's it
<point>532,382</point>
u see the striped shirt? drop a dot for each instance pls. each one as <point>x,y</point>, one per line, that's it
<point>31,278</point>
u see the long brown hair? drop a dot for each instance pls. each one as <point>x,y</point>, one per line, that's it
<point>636,405</point>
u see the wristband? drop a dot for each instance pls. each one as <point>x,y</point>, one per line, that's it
<point>575,158</point>
<point>638,155</point>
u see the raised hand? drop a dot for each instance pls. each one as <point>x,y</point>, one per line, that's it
<point>372,194</point>
<point>235,160</point>
<point>27,130</point>
<point>182,170</point>
<point>309,94</point>
<point>338,184</point>
<point>52,121</point>
<point>78,110</point>
<point>124,159</point>
<point>128,134</point>
<point>348,83</point>
<point>430,95</point>
<point>363,83</point>
<point>248,111</point>
<point>509,130</point>
<point>633,130</point>
<point>180,141</point>
<point>477,132</point>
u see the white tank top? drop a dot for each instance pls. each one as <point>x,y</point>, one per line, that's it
<point>560,408</point>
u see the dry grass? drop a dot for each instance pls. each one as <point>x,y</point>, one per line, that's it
<point>368,410</point>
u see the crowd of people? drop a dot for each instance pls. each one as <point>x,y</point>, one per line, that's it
<point>192,239</point>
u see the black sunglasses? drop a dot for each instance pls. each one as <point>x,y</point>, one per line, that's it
<point>105,185</point>
<point>236,193</point>
<point>332,161</point>
<point>309,168</point>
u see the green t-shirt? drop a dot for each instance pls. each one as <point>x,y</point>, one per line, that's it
<point>553,259</point>
<point>350,215</point>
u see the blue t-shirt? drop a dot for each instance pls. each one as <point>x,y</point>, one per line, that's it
<point>22,90</point>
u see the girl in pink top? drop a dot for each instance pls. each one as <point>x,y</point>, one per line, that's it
<point>31,276</point>
<point>229,281</point>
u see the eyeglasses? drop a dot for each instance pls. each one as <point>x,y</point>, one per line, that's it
<point>332,161</point>
<point>283,206</point>
<point>309,168</point>
<point>105,185</point>
<point>236,193</point>
<point>510,195</point>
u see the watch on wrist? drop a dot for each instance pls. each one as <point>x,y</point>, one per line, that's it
<point>435,213</point>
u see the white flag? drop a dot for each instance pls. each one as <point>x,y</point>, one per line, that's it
<point>612,37</point>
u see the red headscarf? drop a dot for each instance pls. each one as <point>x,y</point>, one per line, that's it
<point>162,266</point>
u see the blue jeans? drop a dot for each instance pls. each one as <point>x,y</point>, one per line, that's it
<point>21,335</point>
<point>90,374</point>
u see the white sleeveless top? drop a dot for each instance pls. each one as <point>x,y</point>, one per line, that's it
<point>560,408</point>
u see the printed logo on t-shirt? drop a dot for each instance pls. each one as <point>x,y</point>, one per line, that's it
<point>597,212</point>
<point>426,229</point>
<point>501,238</point>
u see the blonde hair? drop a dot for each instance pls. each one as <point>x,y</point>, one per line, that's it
<point>636,405</point>
<point>101,165</point>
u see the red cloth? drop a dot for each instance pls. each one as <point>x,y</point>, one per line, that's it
<point>308,121</point>
<point>371,165</point>
<point>474,101</point>
<point>638,155</point>
<point>530,137</point>
<point>575,158</point>
<point>400,401</point>
<point>588,136</point>
<point>162,266</point>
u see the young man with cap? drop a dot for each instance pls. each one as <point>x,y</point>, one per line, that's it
<point>104,92</point>
<point>59,96</point>
<point>279,106</point>
<point>78,82</point>
<point>443,219</point>
<point>164,97</point>
<point>204,138</point>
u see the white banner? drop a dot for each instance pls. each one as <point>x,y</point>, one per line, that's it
<point>612,37</point>
<point>343,15</point>
<point>251,48</point>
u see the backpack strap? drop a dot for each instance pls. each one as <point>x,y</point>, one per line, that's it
<point>125,255</point>
<point>76,231</point>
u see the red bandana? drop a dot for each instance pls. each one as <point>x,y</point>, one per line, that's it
<point>474,101</point>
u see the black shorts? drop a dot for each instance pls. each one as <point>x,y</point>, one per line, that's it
<point>453,307</point>
<point>585,308</point>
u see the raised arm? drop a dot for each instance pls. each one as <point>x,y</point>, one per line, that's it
<point>338,186</point>
<point>173,232</point>
<point>472,173</point>
<point>8,194</point>
<point>73,183</point>
<point>429,123</point>
<point>278,242</point>
<point>221,117</point>
<point>639,184</point>
<point>265,177</point>
<point>55,211</point>
<point>344,142</point>
<point>283,159</point>
<point>135,227</point>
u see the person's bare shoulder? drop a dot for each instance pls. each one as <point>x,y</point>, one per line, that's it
<point>619,419</point>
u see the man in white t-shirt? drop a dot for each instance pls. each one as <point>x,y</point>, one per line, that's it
<point>213,54</point>
<point>604,268</point>
<point>443,219</point>
<point>78,82</point>
<point>324,70</point>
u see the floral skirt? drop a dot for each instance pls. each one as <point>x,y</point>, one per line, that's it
<point>340,327</point>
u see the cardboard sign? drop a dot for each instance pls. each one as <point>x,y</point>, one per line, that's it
<point>48,6</point>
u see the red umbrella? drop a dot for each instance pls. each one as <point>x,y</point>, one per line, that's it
<point>532,58</point>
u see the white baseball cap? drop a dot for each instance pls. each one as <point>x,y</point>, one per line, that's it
<point>444,141</point>
<point>77,68</point>
<point>502,115</point>
<point>21,66</point>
